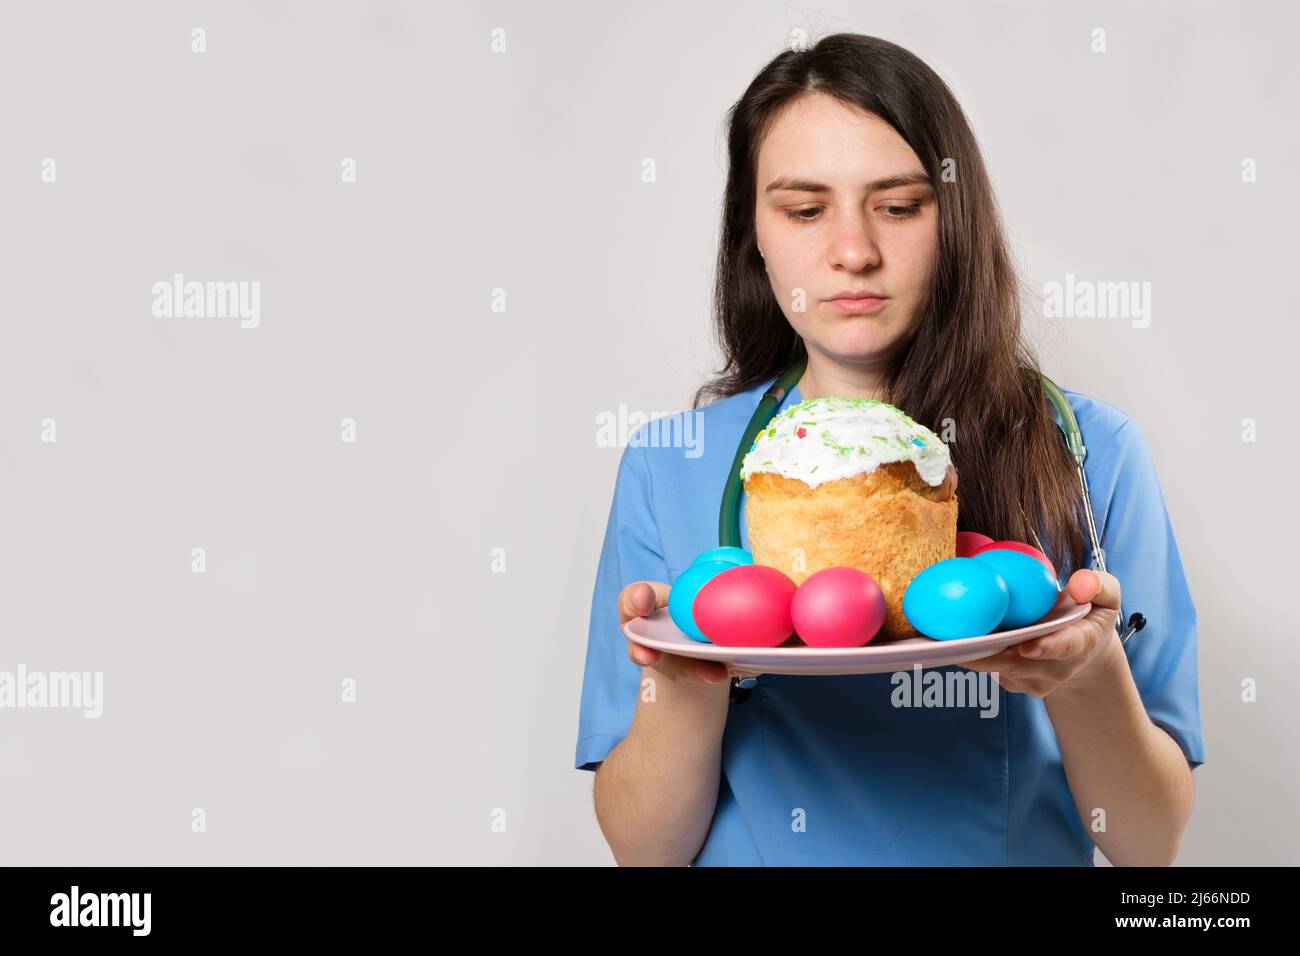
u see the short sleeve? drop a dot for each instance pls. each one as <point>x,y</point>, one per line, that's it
<point>1142,553</point>
<point>631,552</point>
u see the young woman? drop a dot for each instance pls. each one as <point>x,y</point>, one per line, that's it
<point>853,171</point>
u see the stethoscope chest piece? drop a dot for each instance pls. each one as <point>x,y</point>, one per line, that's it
<point>740,688</point>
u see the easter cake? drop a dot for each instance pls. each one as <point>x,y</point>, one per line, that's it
<point>851,482</point>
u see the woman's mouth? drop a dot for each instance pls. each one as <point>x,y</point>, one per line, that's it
<point>858,306</point>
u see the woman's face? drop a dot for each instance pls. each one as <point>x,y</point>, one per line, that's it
<point>832,218</point>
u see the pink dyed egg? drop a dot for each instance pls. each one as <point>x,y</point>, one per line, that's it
<point>838,607</point>
<point>968,542</point>
<point>746,606</point>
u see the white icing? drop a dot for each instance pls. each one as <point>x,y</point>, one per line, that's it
<point>844,437</point>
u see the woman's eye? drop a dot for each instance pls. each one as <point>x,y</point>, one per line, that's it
<point>798,214</point>
<point>810,213</point>
<point>902,212</point>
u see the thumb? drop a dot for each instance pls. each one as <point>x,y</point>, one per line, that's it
<point>1099,587</point>
<point>643,599</point>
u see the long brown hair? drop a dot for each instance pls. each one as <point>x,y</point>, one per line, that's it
<point>966,356</point>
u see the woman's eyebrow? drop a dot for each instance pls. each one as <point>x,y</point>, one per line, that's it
<point>795,184</point>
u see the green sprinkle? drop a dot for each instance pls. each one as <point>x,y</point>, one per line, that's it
<point>814,468</point>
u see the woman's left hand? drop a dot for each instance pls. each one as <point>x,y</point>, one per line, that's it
<point>1080,650</point>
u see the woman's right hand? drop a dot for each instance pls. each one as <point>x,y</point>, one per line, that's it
<point>642,599</point>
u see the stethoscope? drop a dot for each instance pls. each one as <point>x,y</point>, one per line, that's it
<point>729,513</point>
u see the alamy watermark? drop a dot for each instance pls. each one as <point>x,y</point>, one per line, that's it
<point>178,299</point>
<point>1084,299</point>
<point>129,910</point>
<point>965,688</point>
<point>662,430</point>
<point>53,690</point>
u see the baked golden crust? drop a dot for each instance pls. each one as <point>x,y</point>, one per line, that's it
<point>888,523</point>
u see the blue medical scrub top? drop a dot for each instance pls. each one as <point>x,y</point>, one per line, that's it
<point>825,770</point>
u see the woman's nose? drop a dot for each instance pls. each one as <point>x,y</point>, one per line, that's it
<point>854,247</point>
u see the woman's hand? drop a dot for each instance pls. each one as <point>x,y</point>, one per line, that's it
<point>642,599</point>
<point>1078,651</point>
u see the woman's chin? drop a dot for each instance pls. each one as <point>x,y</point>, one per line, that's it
<point>861,348</point>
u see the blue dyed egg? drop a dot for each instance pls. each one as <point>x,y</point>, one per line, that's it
<point>956,598</point>
<point>1032,588</point>
<point>681,597</point>
<point>727,554</point>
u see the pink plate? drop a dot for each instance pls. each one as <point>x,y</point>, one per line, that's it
<point>659,632</point>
